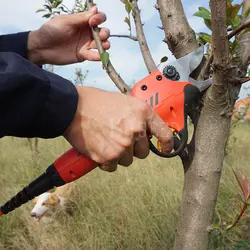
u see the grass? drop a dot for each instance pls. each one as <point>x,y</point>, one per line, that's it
<point>133,208</point>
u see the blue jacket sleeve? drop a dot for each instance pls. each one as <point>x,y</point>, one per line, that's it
<point>16,43</point>
<point>33,102</point>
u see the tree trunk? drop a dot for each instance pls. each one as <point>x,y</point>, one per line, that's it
<point>203,176</point>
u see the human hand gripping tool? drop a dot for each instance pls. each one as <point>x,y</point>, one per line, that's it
<point>173,95</point>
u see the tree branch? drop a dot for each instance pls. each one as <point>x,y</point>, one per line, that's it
<point>178,34</point>
<point>206,69</point>
<point>244,80</point>
<point>151,66</point>
<point>134,38</point>
<point>244,39</point>
<point>115,77</point>
<point>245,25</point>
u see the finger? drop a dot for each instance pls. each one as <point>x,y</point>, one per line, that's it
<point>127,158</point>
<point>104,34</point>
<point>92,55</point>
<point>97,19</point>
<point>141,148</point>
<point>160,130</point>
<point>84,17</point>
<point>109,166</point>
<point>105,44</point>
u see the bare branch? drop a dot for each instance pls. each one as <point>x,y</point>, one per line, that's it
<point>115,77</point>
<point>134,38</point>
<point>244,80</point>
<point>239,29</point>
<point>151,66</point>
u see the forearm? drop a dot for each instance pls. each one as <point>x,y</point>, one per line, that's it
<point>33,102</point>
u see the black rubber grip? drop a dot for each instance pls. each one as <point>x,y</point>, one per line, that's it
<point>46,181</point>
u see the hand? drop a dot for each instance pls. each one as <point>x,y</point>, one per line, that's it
<point>67,39</point>
<point>111,128</point>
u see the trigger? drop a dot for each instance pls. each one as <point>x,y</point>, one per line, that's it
<point>159,147</point>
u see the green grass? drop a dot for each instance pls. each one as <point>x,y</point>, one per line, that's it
<point>132,208</point>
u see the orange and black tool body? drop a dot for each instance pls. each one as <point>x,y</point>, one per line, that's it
<point>173,101</point>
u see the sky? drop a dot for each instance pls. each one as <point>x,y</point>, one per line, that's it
<point>125,54</point>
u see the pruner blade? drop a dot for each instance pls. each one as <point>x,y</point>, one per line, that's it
<point>201,85</point>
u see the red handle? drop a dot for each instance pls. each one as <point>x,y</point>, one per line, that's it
<point>73,165</point>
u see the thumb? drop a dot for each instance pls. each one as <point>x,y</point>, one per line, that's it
<point>82,17</point>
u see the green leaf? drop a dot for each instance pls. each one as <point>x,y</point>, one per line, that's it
<point>164,59</point>
<point>128,22</point>
<point>203,14</point>
<point>247,12</point>
<point>128,7</point>
<point>124,1</point>
<point>47,15</point>
<point>47,7</point>
<point>204,9</point>
<point>236,22</point>
<point>57,3</point>
<point>40,10</point>
<point>105,58</point>
<point>208,23</point>
<point>205,37</point>
<point>234,46</point>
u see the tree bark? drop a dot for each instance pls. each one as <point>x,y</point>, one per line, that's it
<point>203,176</point>
<point>244,41</point>
<point>178,34</point>
<point>148,59</point>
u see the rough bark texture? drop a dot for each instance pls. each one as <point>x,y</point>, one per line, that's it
<point>178,34</point>
<point>203,176</point>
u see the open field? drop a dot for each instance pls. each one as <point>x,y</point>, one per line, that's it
<point>133,208</point>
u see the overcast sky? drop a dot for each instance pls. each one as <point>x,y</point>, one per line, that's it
<point>125,54</point>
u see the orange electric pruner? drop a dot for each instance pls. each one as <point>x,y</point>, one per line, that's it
<point>174,96</point>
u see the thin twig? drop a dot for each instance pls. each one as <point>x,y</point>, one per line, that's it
<point>244,80</point>
<point>148,59</point>
<point>134,38</point>
<point>115,77</point>
<point>238,218</point>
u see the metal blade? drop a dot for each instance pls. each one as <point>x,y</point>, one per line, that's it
<point>201,85</point>
<point>185,65</point>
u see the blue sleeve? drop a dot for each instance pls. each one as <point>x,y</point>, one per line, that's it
<point>16,43</point>
<point>33,102</point>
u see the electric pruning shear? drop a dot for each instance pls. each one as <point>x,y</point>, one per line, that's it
<point>173,95</point>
